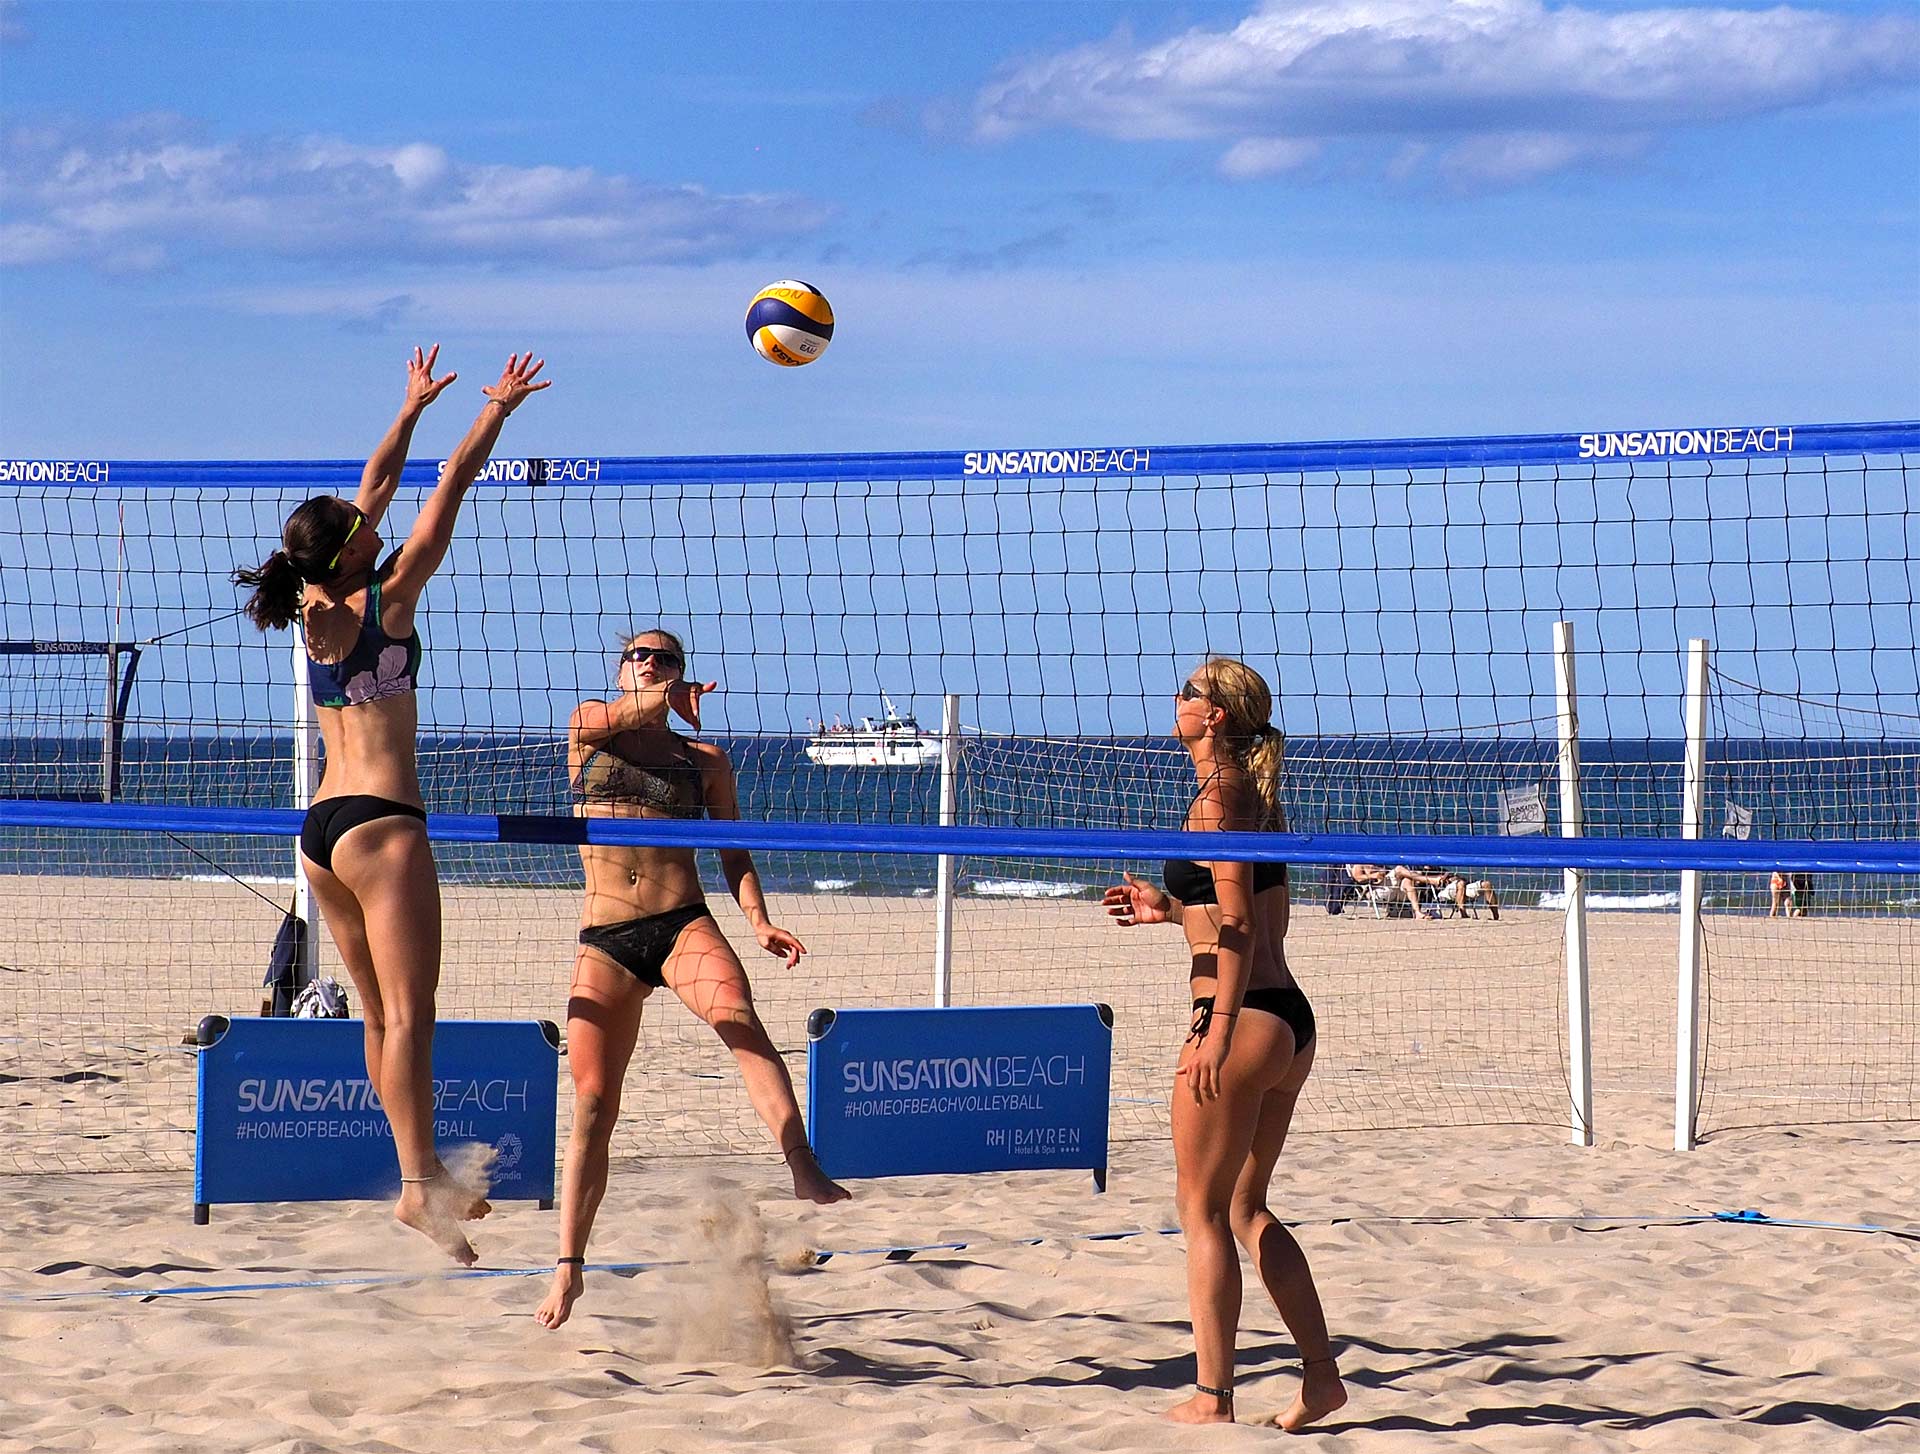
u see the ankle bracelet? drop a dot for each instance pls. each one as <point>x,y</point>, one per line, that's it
<point>1309,1362</point>
<point>570,1262</point>
<point>1225,1393</point>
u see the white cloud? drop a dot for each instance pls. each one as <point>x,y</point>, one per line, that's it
<point>1498,90</point>
<point>149,189</point>
<point>1266,156</point>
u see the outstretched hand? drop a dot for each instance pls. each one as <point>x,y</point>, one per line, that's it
<point>684,697</point>
<point>1137,902</point>
<point>422,387</point>
<point>517,381</point>
<point>776,940</point>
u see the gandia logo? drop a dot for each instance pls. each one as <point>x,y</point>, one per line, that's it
<point>507,1153</point>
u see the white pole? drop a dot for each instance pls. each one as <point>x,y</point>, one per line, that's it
<point>306,778</point>
<point>943,890</point>
<point>1572,824</point>
<point>1692,808</point>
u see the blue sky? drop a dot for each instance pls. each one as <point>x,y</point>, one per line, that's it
<point>222,226</point>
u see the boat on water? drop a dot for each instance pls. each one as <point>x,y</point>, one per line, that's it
<point>893,741</point>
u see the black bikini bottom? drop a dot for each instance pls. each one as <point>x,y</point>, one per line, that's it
<point>641,946</point>
<point>328,820</point>
<point>1288,1004</point>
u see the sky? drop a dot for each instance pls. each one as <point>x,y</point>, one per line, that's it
<point>222,227</point>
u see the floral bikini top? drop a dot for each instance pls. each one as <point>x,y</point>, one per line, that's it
<point>378,667</point>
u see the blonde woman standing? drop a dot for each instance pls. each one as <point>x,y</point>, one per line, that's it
<point>1248,1050</point>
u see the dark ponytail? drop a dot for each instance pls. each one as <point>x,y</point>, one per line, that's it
<point>310,541</point>
<point>276,595</point>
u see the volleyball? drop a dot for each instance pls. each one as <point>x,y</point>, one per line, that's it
<point>789,323</point>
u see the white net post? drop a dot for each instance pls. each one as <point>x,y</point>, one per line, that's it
<point>306,778</point>
<point>945,874</point>
<point>1572,824</point>
<point>1693,793</point>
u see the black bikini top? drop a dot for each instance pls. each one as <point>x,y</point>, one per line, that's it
<point>674,789</point>
<point>1192,883</point>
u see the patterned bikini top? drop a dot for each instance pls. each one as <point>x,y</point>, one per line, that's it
<point>378,667</point>
<point>674,789</point>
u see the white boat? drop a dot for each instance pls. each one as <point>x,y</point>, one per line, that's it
<point>894,741</point>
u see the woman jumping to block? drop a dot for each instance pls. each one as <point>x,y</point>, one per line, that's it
<point>364,843</point>
<point>645,925</point>
<point>1247,1052</point>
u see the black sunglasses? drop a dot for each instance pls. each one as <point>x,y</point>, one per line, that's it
<point>665,655</point>
<point>1190,693</point>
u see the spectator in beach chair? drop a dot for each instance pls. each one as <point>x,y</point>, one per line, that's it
<point>1467,894</point>
<point>1412,880</point>
<point>1383,889</point>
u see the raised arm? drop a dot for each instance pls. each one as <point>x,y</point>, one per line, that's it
<point>433,532</point>
<point>593,724</point>
<point>381,477</point>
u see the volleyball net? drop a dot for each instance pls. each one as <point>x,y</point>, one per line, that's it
<point>1401,596</point>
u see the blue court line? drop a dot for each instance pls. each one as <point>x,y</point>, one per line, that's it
<point>905,1251</point>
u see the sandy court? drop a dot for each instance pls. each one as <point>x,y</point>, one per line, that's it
<point>1453,1314</point>
<point>1501,1335</point>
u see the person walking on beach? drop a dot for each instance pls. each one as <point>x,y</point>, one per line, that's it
<point>645,925</point>
<point>364,842</point>
<point>1248,1051</point>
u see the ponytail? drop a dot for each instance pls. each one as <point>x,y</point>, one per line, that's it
<point>1248,734</point>
<point>276,596</point>
<point>1266,764</point>
<point>310,542</point>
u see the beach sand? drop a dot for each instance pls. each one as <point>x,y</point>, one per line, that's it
<point>1488,1283</point>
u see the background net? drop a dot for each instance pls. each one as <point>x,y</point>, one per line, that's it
<point>1811,1010</point>
<point>1401,597</point>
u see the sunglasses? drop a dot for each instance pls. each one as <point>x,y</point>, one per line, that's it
<point>666,656</point>
<point>359,519</point>
<point>1190,693</point>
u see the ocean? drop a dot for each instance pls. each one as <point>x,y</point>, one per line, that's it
<point>1800,788</point>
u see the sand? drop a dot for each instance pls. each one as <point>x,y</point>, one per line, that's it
<point>1491,1284</point>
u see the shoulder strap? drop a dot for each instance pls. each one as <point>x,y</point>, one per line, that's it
<point>372,612</point>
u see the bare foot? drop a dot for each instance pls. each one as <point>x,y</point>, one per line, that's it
<point>1202,1408</point>
<point>569,1281</point>
<point>457,1197</point>
<point>1321,1392</point>
<point>434,1213</point>
<point>810,1183</point>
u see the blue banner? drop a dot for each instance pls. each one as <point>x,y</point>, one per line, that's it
<point>1631,441</point>
<point>286,1112</point>
<point>913,1092</point>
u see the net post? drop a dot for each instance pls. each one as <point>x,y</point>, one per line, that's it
<point>1693,795</point>
<point>109,744</point>
<point>306,774</point>
<point>949,815</point>
<point>1572,825</point>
